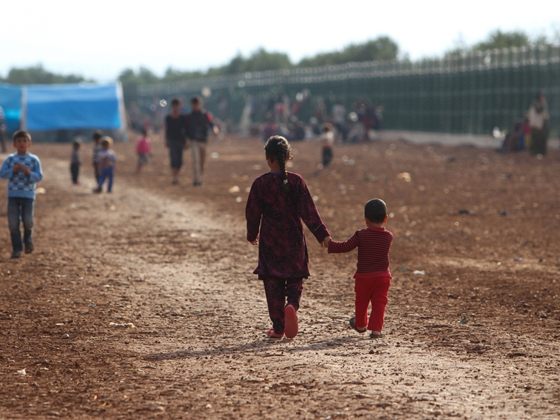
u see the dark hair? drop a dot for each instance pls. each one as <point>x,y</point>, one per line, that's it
<point>175,101</point>
<point>144,132</point>
<point>375,210</point>
<point>106,141</point>
<point>76,143</point>
<point>327,128</point>
<point>196,99</point>
<point>97,134</point>
<point>22,133</point>
<point>277,148</point>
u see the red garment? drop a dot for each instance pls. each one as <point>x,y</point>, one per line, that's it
<point>373,251</point>
<point>282,247</point>
<point>143,146</point>
<point>374,290</point>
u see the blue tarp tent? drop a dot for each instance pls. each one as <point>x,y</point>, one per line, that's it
<point>68,107</point>
<point>10,101</point>
<point>64,107</point>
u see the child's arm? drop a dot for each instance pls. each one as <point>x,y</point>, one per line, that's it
<point>6,171</point>
<point>346,246</point>
<point>36,174</point>
<point>253,214</point>
<point>309,214</point>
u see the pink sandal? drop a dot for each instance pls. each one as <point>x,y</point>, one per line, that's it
<point>271,334</point>
<point>291,321</point>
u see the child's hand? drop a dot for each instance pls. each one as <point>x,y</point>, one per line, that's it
<point>325,243</point>
<point>16,167</point>
<point>26,170</point>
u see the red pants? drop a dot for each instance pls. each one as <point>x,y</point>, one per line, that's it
<point>372,290</point>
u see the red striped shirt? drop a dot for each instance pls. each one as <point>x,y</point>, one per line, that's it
<point>373,246</point>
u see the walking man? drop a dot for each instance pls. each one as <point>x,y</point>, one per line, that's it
<point>198,122</point>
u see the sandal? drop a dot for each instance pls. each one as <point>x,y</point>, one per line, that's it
<point>271,334</point>
<point>372,335</point>
<point>353,325</point>
<point>291,320</point>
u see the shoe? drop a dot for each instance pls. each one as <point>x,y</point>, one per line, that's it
<point>16,254</point>
<point>353,325</point>
<point>372,335</point>
<point>97,190</point>
<point>198,183</point>
<point>290,321</point>
<point>29,248</point>
<point>271,334</point>
<point>175,182</point>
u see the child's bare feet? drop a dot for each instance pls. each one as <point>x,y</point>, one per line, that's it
<point>270,333</point>
<point>291,321</point>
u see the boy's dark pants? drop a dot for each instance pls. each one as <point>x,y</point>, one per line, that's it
<point>277,290</point>
<point>327,156</point>
<point>20,210</point>
<point>75,171</point>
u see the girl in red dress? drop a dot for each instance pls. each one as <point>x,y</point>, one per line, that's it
<point>279,200</point>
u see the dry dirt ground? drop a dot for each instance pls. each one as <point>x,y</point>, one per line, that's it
<point>172,262</point>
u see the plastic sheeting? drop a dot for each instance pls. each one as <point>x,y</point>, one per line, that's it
<point>75,106</point>
<point>10,101</point>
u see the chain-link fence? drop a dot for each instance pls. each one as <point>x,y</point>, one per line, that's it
<point>472,93</point>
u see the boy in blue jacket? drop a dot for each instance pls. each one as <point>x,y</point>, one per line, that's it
<point>23,170</point>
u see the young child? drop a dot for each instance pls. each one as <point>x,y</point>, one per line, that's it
<point>372,278</point>
<point>96,137</point>
<point>106,162</point>
<point>278,202</point>
<point>75,162</point>
<point>23,170</point>
<point>143,149</point>
<point>197,123</point>
<point>328,141</point>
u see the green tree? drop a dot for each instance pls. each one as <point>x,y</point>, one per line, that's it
<point>382,48</point>
<point>499,40</point>
<point>38,75</point>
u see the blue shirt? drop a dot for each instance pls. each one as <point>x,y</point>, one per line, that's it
<point>20,184</point>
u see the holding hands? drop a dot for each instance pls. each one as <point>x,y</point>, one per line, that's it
<point>325,243</point>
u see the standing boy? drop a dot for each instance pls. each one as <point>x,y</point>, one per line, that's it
<point>372,278</point>
<point>198,122</point>
<point>106,161</point>
<point>23,170</point>
<point>175,139</point>
<point>75,162</point>
<point>97,134</point>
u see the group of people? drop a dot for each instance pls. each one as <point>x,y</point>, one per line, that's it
<point>278,202</point>
<point>531,131</point>
<point>193,126</point>
<point>104,161</point>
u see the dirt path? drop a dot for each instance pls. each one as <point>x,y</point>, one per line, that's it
<point>180,272</point>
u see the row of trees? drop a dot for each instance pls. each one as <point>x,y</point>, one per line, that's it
<point>38,75</point>
<point>382,48</point>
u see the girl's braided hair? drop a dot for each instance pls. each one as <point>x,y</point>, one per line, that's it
<point>277,148</point>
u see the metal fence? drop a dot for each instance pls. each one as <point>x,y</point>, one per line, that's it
<point>472,93</point>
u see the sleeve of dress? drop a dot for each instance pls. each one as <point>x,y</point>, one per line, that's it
<point>309,213</point>
<point>253,213</point>
<point>346,246</point>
